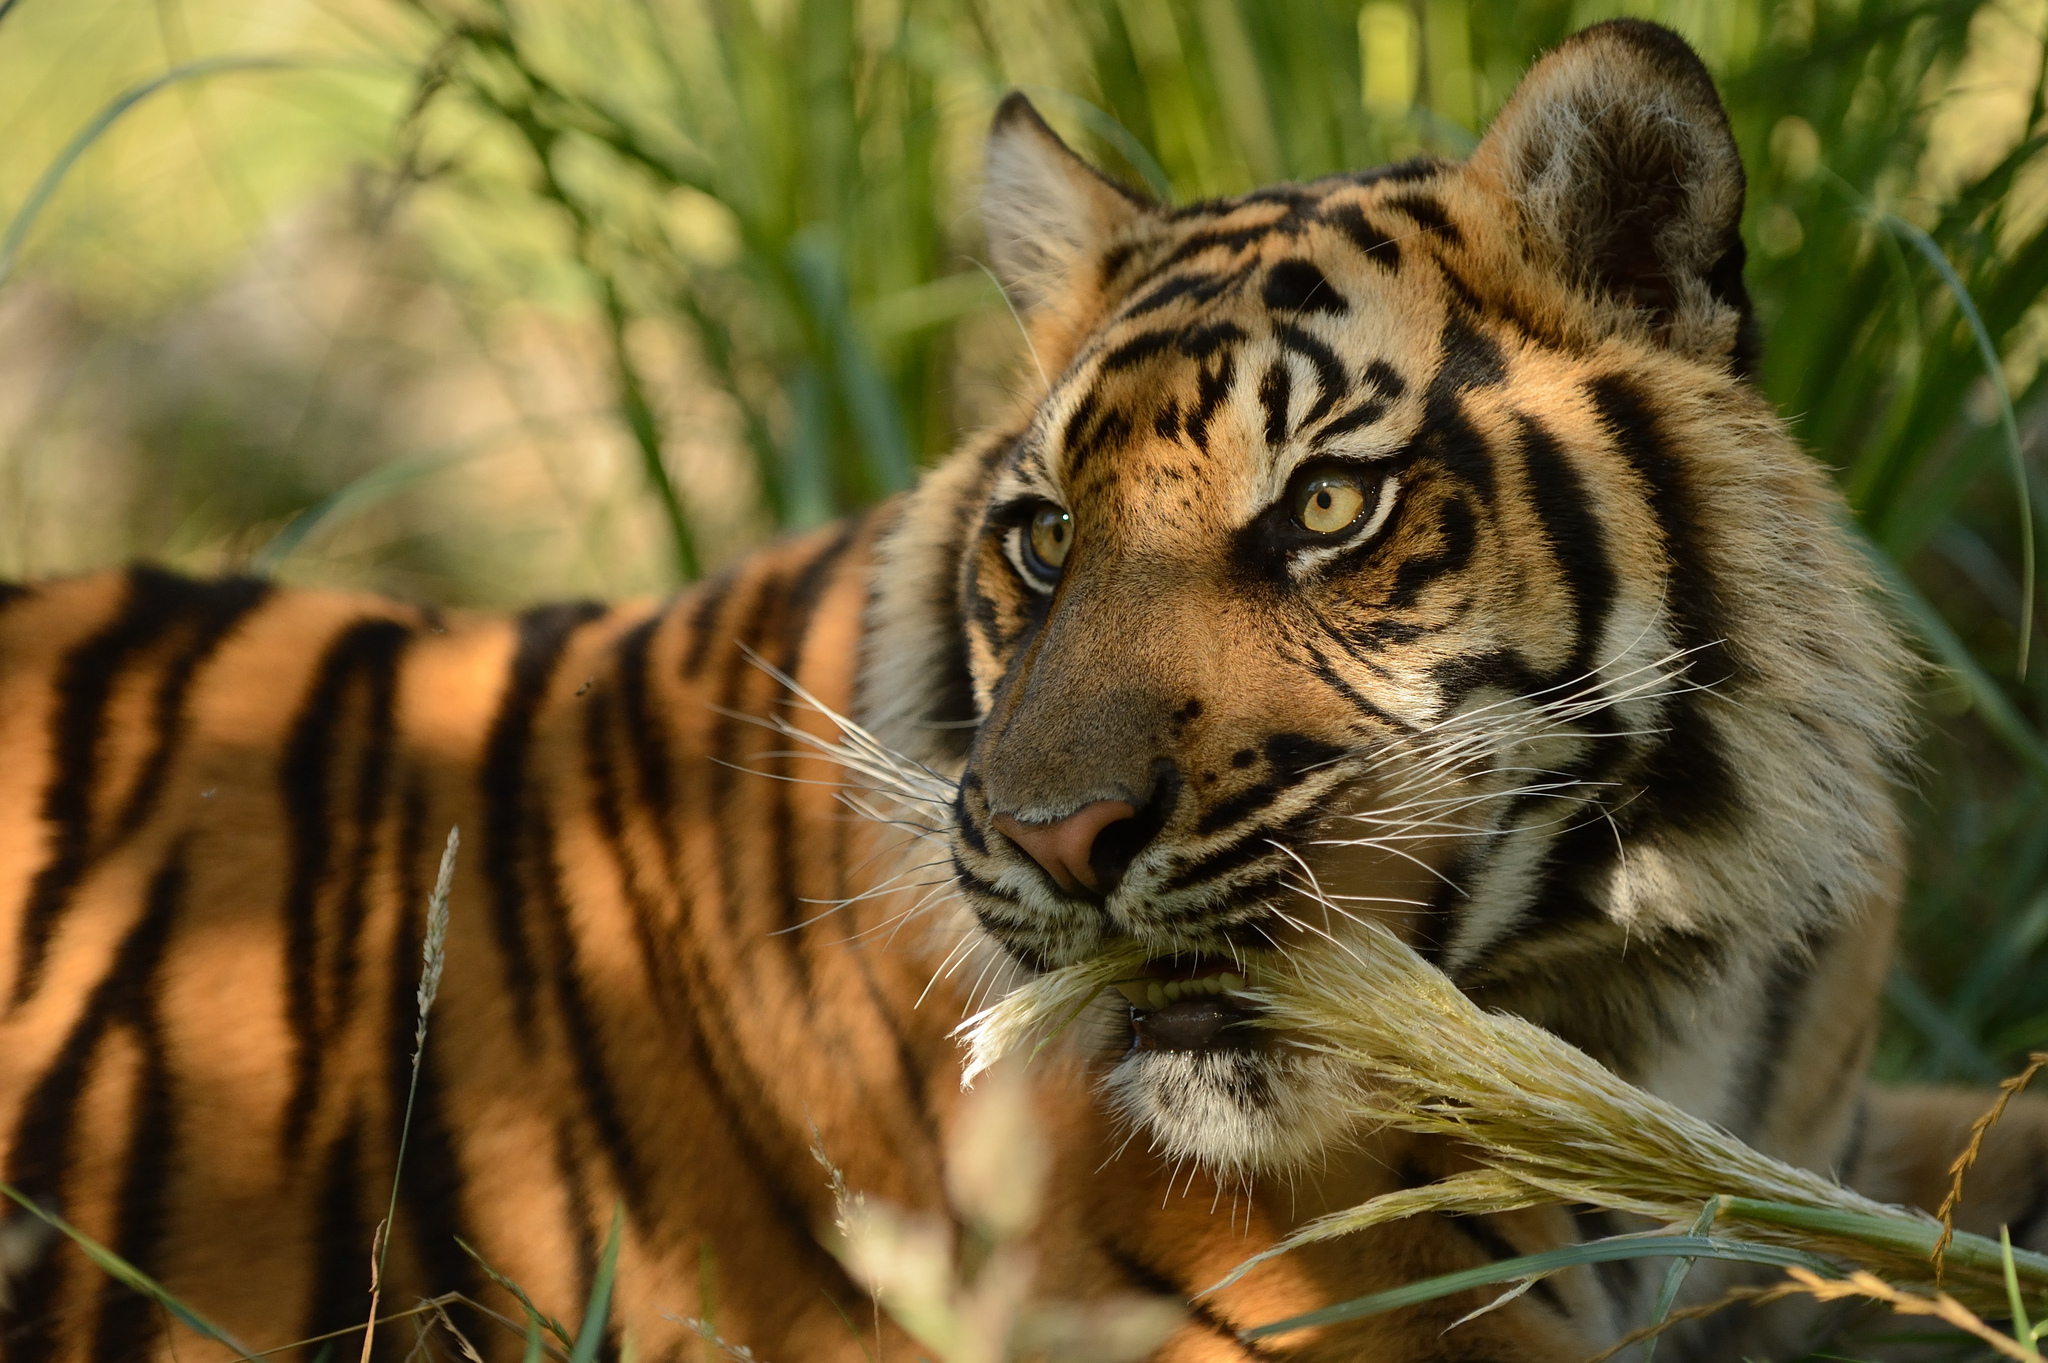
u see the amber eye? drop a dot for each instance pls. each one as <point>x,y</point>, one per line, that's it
<point>1329,503</point>
<point>1049,535</point>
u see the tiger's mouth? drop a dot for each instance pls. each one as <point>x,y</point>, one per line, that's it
<point>1179,1003</point>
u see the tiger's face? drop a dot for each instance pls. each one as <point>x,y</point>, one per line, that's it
<point>1382,547</point>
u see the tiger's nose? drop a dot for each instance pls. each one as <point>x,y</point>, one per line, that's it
<point>1066,847</point>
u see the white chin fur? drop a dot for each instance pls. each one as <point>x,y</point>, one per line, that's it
<point>1236,1113</point>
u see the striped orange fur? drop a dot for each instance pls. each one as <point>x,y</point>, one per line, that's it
<point>1410,543</point>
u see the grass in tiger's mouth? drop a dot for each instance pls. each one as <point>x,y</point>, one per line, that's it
<point>1545,1122</point>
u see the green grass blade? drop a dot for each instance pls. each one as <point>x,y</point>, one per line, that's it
<point>359,494</point>
<point>1674,1276</point>
<point>554,1327</point>
<point>2023,1328</point>
<point>598,1313</point>
<point>127,1274</point>
<point>1611,1250</point>
<point>1901,1234</point>
<point>1997,711</point>
<point>1994,373</point>
<point>533,1340</point>
<point>47,183</point>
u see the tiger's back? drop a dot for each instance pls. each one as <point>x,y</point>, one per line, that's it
<point>221,825</point>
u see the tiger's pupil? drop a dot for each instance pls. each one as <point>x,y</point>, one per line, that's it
<point>1052,534</point>
<point>1331,503</point>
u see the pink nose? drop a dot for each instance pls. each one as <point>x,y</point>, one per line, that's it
<point>1064,847</point>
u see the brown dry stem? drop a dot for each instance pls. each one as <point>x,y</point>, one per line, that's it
<point>1978,1130</point>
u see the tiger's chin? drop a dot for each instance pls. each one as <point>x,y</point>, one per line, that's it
<point>1212,1089</point>
<point>1238,1113</point>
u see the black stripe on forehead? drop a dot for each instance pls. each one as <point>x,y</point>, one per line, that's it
<point>1197,286</point>
<point>1379,248</point>
<point>1298,286</point>
<point>1429,214</point>
<point>1334,381</point>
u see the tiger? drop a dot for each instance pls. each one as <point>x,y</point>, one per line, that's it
<point>1410,547</point>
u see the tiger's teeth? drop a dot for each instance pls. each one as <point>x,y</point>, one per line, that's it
<point>1134,992</point>
<point>1231,981</point>
<point>1155,994</point>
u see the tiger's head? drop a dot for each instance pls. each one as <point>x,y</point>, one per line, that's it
<point>1411,545</point>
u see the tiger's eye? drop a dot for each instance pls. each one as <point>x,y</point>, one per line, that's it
<point>1052,535</point>
<point>1330,503</point>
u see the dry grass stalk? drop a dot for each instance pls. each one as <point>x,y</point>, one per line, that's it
<point>1547,1122</point>
<point>1978,1130</point>
<point>1938,1304</point>
<point>1754,1294</point>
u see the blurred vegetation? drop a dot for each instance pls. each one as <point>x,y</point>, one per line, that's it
<point>478,298</point>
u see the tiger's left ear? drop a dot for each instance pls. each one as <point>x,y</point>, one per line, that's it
<point>1049,214</point>
<point>1616,152</point>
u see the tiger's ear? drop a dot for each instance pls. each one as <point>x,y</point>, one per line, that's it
<point>1616,152</point>
<point>1048,213</point>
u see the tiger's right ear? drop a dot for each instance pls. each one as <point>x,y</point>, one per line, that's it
<point>1048,213</point>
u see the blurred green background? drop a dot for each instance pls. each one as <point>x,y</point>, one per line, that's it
<point>485,302</point>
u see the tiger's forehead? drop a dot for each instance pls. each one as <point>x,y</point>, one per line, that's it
<point>1247,337</point>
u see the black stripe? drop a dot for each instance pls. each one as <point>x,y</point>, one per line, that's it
<point>1784,999</point>
<point>580,1027</point>
<point>1298,286</point>
<point>364,657</point>
<point>1428,211</point>
<point>1379,248</point>
<point>1153,1281</point>
<point>1459,534</point>
<point>1577,541</point>
<point>1365,414</point>
<point>543,634</point>
<point>703,623</point>
<point>341,1248</point>
<point>213,610</point>
<point>1195,286</point>
<point>1275,388</point>
<point>1617,1277</point>
<point>84,686</point>
<point>1211,388</point>
<point>1134,352</point>
<point>1331,376</point>
<point>1219,239</point>
<point>798,612</point>
<point>647,736</point>
<point>1386,378</point>
<point>1691,586</point>
<point>1687,779</point>
<point>1471,360</point>
<point>39,1156</point>
<point>1480,1230</point>
<point>1199,343</point>
<point>127,1325</point>
<point>608,808</point>
<point>1401,172</point>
